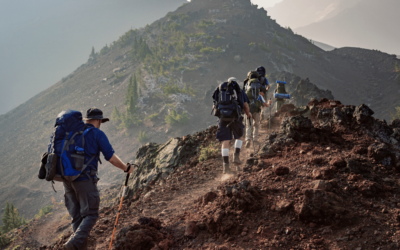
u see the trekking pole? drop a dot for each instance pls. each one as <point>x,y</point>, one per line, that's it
<point>120,206</point>
<point>251,128</point>
<point>270,108</point>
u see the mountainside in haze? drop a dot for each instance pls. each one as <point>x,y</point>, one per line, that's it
<point>299,13</point>
<point>177,61</point>
<point>44,40</point>
<point>369,24</point>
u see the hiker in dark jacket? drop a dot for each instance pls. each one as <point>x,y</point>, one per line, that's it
<point>229,129</point>
<point>264,82</point>
<point>82,197</point>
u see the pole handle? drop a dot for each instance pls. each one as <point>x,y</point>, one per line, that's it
<point>127,179</point>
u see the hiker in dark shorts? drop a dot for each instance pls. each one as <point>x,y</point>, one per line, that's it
<point>231,128</point>
<point>82,197</point>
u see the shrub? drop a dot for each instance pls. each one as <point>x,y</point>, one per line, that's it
<point>396,115</point>
<point>44,210</point>
<point>4,240</point>
<point>175,119</point>
<point>171,88</point>
<point>116,115</point>
<point>143,137</point>
<point>153,117</point>
<point>207,152</point>
<point>207,50</point>
<point>205,23</point>
<point>264,48</point>
<point>129,121</point>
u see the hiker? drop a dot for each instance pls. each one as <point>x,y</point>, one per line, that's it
<point>264,83</point>
<point>229,101</point>
<point>255,93</point>
<point>82,197</point>
<point>280,89</point>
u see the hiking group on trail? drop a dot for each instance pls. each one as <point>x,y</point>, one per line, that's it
<point>75,145</point>
<point>72,157</point>
<point>230,102</point>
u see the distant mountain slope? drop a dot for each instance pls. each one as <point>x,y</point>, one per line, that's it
<point>369,24</point>
<point>44,40</point>
<point>199,45</point>
<point>298,13</point>
<point>324,46</point>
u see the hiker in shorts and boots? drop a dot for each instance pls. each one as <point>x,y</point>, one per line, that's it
<point>255,93</point>
<point>265,84</point>
<point>82,197</point>
<point>229,101</point>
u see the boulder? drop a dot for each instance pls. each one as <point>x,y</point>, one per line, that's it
<point>296,126</point>
<point>380,152</point>
<point>281,171</point>
<point>283,205</point>
<point>338,162</point>
<point>191,230</point>
<point>323,185</point>
<point>155,161</point>
<point>320,206</point>
<point>369,188</point>
<point>363,113</point>
<point>395,123</point>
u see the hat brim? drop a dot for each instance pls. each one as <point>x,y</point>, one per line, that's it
<point>103,120</point>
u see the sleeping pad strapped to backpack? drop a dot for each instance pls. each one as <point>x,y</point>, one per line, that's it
<point>68,146</point>
<point>227,108</point>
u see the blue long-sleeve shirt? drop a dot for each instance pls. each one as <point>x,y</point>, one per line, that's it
<point>96,141</point>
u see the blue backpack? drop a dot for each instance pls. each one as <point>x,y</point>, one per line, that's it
<point>67,147</point>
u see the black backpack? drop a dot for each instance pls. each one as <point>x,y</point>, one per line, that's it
<point>227,107</point>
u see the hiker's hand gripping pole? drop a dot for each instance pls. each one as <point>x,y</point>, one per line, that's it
<point>120,205</point>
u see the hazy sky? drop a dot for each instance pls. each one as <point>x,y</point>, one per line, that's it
<point>265,3</point>
<point>45,40</point>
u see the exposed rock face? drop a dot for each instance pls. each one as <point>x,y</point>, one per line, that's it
<point>154,161</point>
<point>363,113</point>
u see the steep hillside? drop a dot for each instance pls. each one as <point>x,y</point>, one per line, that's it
<point>369,24</point>
<point>325,181</point>
<point>178,60</point>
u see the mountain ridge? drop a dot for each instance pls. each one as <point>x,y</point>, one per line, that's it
<point>197,46</point>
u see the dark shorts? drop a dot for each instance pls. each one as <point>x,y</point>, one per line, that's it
<point>235,130</point>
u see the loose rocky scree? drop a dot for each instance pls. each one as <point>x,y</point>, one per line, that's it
<point>328,181</point>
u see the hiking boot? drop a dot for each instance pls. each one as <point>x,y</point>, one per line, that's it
<point>236,159</point>
<point>248,144</point>
<point>69,246</point>
<point>225,168</point>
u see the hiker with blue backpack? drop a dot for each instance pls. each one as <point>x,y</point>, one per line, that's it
<point>229,102</point>
<point>72,157</point>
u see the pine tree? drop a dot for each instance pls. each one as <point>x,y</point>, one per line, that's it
<point>135,90</point>
<point>92,54</point>
<point>6,218</point>
<point>116,115</point>
<point>131,110</point>
<point>11,218</point>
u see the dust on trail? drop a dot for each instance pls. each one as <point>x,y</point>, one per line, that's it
<point>182,200</point>
<point>45,230</point>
